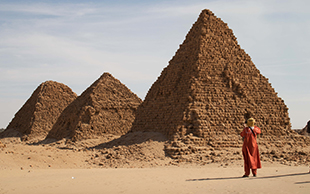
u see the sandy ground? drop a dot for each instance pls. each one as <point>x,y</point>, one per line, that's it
<point>206,179</point>
<point>58,168</point>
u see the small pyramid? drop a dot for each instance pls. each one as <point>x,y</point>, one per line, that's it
<point>210,88</point>
<point>38,115</point>
<point>306,130</point>
<point>106,107</point>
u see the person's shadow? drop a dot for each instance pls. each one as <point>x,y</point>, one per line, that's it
<point>263,177</point>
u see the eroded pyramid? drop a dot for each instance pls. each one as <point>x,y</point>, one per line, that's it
<point>306,130</point>
<point>38,115</point>
<point>106,107</point>
<point>210,88</point>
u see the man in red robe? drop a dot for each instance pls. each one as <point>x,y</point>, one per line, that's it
<point>250,148</point>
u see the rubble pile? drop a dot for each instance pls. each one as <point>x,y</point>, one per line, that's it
<point>2,145</point>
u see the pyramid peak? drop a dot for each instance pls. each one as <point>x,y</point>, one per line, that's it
<point>51,82</point>
<point>206,12</point>
<point>49,87</point>
<point>104,77</point>
<point>104,82</point>
<point>107,74</point>
<point>206,15</point>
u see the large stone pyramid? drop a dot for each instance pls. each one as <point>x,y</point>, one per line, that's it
<point>210,88</point>
<point>38,115</point>
<point>106,107</point>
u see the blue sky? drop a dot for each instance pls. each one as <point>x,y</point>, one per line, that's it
<point>74,42</point>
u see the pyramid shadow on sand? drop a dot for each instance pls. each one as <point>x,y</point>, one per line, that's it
<point>132,138</point>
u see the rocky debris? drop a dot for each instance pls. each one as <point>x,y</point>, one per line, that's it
<point>2,145</point>
<point>290,154</point>
<point>287,152</point>
<point>137,149</point>
<point>190,144</point>
<point>106,107</point>
<point>38,115</point>
<point>145,154</point>
<point>145,150</point>
<point>197,150</point>
<point>151,149</point>
<point>287,157</point>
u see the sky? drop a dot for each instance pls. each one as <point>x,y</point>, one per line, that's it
<point>75,42</point>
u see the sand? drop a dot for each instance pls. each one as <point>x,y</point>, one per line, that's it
<point>53,168</point>
<point>206,179</point>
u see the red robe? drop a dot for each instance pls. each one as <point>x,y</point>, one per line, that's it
<point>250,149</point>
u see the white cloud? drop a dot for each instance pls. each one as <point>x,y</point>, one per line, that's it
<point>49,55</point>
<point>42,9</point>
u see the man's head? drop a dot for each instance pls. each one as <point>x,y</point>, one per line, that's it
<point>251,122</point>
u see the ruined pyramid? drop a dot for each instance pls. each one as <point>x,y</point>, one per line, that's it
<point>38,115</point>
<point>106,107</point>
<point>210,88</point>
<point>306,130</point>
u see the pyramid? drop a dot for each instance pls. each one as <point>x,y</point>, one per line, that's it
<point>106,107</point>
<point>306,130</point>
<point>38,115</point>
<point>210,88</point>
